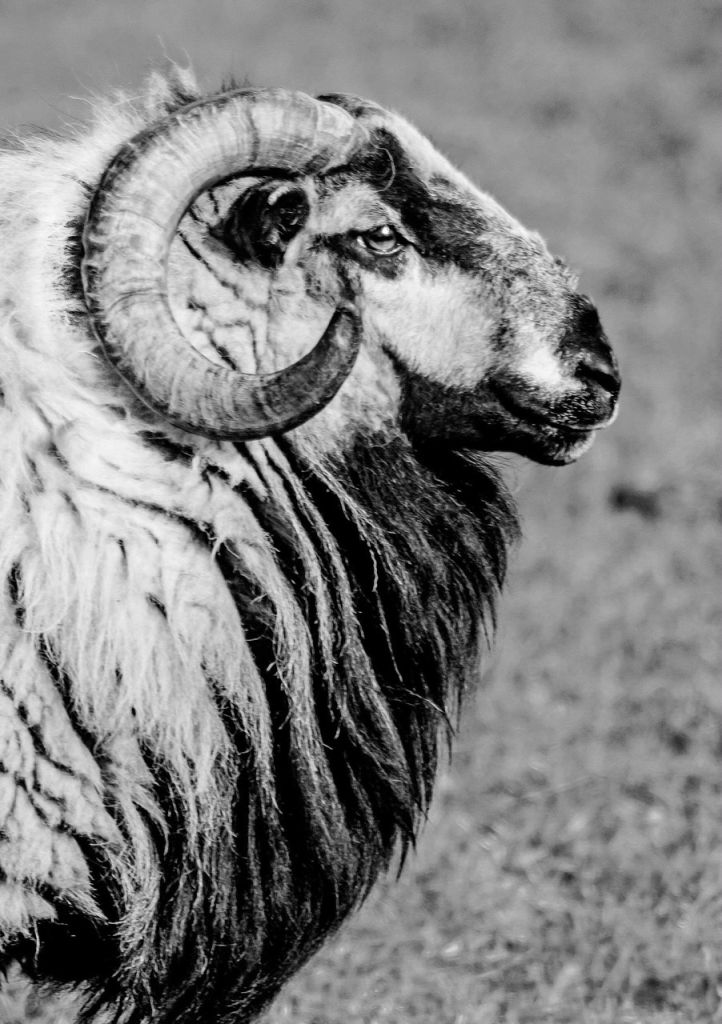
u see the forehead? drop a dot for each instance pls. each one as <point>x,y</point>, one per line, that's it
<point>408,172</point>
<point>425,158</point>
<point>451,219</point>
<point>427,161</point>
<point>397,149</point>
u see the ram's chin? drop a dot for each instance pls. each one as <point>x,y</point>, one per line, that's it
<point>554,446</point>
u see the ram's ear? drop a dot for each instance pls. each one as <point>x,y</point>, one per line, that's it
<point>262,222</point>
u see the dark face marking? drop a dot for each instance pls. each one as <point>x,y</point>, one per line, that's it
<point>446,227</point>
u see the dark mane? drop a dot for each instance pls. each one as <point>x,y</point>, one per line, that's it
<point>423,568</point>
<point>423,538</point>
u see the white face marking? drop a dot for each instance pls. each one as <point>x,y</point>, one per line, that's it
<point>540,366</point>
<point>440,330</point>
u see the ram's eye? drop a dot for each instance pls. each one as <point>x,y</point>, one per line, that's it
<point>382,241</point>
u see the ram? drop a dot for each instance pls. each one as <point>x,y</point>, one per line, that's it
<point>244,572</point>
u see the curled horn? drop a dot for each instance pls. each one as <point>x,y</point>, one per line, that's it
<point>131,221</point>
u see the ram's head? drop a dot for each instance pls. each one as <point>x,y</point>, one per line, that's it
<point>224,240</point>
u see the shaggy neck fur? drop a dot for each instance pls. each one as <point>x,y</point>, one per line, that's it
<point>388,555</point>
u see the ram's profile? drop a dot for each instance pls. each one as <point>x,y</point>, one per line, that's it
<point>243,572</point>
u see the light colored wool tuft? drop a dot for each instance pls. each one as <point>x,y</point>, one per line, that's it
<point>96,522</point>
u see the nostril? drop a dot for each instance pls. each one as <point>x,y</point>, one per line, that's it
<point>599,366</point>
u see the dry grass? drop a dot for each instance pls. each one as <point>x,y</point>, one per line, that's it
<point>570,872</point>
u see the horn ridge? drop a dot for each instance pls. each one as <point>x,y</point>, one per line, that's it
<point>131,221</point>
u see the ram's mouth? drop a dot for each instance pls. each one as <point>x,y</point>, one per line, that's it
<point>554,438</point>
<point>498,417</point>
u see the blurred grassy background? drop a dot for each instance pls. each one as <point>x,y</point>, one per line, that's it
<point>570,872</point>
